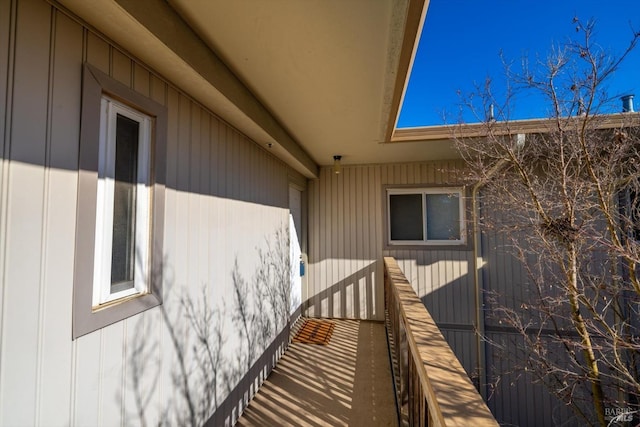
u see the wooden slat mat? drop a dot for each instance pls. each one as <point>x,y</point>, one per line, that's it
<point>315,332</point>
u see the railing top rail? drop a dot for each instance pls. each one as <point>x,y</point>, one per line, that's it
<point>452,398</point>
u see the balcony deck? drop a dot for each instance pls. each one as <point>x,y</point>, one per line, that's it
<point>345,383</point>
<point>349,382</point>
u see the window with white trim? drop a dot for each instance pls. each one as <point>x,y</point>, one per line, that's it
<point>425,216</point>
<point>123,203</point>
<point>118,269</point>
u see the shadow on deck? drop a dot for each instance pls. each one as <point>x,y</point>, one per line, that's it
<point>349,382</point>
<point>345,383</point>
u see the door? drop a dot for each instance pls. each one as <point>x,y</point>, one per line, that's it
<point>295,247</point>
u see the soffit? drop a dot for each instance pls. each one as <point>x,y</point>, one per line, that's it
<point>327,69</point>
<point>329,74</point>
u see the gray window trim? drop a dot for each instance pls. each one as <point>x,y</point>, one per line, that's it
<point>427,245</point>
<point>85,319</point>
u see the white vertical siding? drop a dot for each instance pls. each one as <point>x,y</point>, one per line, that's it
<point>56,348</point>
<point>6,75</point>
<point>26,197</point>
<point>225,198</point>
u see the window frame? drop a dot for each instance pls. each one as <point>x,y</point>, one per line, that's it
<point>102,286</point>
<point>92,310</point>
<point>425,242</point>
<point>629,207</point>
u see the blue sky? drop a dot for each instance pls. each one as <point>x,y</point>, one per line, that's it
<point>462,39</point>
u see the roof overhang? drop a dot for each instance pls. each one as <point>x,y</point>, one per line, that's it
<point>427,134</point>
<point>309,79</point>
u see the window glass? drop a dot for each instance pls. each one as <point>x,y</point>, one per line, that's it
<point>124,204</point>
<point>443,216</point>
<point>425,216</point>
<point>630,211</point>
<point>634,207</point>
<point>406,217</point>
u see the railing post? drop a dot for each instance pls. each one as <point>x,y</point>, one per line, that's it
<point>432,387</point>
<point>403,364</point>
<point>397,339</point>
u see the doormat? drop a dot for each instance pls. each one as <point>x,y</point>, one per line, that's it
<point>315,332</point>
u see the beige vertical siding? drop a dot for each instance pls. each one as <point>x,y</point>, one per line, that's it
<point>345,229</point>
<point>517,397</point>
<point>225,199</point>
<point>346,226</point>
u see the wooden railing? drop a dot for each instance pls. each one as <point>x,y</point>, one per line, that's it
<point>432,387</point>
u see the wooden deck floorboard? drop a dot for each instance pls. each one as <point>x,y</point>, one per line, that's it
<point>345,383</point>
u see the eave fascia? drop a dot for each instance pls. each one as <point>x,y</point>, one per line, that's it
<point>416,15</point>
<point>479,130</point>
